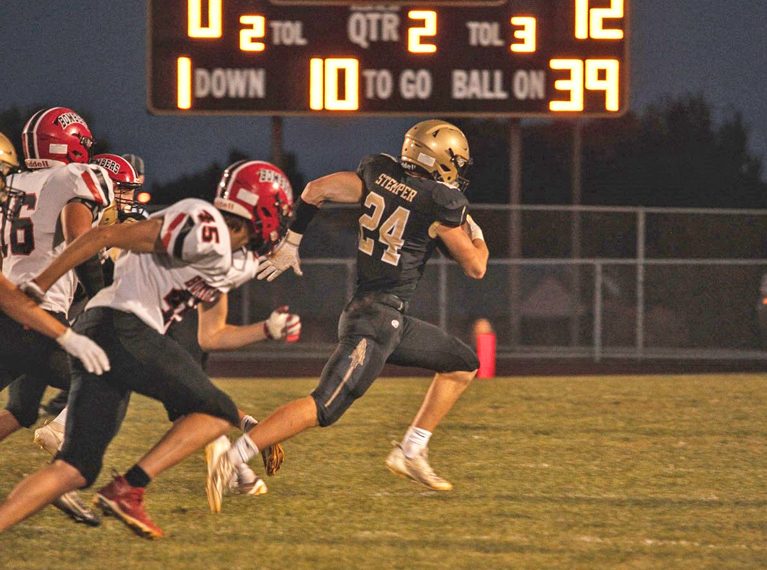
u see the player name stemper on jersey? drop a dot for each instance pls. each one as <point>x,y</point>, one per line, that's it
<point>396,187</point>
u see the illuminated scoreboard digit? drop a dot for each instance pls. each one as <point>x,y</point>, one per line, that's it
<point>513,58</point>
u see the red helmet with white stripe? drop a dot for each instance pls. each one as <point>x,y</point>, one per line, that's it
<point>124,177</point>
<point>56,136</point>
<point>261,193</point>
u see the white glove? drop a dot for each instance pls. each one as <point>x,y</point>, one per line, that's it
<point>32,290</point>
<point>92,356</point>
<point>284,256</point>
<point>475,232</point>
<point>283,325</point>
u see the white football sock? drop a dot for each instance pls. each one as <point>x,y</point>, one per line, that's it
<point>243,450</point>
<point>61,419</point>
<point>245,474</point>
<point>415,440</point>
<point>247,423</point>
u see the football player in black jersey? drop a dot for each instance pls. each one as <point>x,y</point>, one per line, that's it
<point>408,206</point>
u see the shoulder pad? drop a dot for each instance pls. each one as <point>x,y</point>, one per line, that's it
<point>90,183</point>
<point>194,233</point>
<point>374,161</point>
<point>450,205</point>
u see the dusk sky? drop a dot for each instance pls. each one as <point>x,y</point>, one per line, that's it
<point>90,55</point>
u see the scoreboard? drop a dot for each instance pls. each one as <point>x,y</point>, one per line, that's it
<point>511,58</point>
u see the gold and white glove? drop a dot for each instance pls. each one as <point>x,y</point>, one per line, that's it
<point>284,256</point>
<point>283,325</point>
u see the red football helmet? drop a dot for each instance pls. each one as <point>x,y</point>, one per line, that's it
<point>124,177</point>
<point>260,192</point>
<point>56,136</point>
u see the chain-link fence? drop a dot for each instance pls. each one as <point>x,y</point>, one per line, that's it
<point>562,282</point>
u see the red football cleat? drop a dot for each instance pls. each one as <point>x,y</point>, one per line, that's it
<point>125,502</point>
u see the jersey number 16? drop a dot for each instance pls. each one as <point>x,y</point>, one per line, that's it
<point>389,232</point>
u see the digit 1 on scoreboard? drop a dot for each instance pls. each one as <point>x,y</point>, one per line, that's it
<point>184,83</point>
<point>325,87</point>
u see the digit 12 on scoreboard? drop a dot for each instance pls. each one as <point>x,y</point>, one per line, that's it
<point>514,58</point>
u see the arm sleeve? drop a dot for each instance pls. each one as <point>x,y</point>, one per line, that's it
<point>450,206</point>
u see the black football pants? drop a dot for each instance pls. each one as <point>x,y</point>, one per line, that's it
<point>143,361</point>
<point>372,331</point>
<point>30,361</point>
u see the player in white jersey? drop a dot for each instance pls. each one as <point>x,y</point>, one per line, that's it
<point>63,197</point>
<point>20,307</point>
<point>280,325</point>
<point>181,257</point>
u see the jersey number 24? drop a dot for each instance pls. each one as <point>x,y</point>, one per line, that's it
<point>389,232</point>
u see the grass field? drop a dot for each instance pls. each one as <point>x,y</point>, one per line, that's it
<point>609,472</point>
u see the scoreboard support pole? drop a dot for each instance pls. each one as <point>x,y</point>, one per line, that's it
<point>515,230</point>
<point>277,150</point>
<point>575,233</point>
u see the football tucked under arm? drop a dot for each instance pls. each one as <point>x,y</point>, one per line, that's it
<point>469,251</point>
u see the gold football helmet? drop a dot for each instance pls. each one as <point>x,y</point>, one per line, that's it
<point>9,160</point>
<point>438,148</point>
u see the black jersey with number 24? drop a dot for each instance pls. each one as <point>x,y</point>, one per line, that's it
<point>397,211</point>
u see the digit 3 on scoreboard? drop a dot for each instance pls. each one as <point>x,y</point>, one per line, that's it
<point>515,58</point>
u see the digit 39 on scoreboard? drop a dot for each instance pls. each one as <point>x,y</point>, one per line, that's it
<point>514,58</point>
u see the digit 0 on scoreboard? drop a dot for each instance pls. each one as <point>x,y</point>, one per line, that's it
<point>516,58</point>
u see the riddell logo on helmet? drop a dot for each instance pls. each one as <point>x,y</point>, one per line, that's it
<point>66,119</point>
<point>265,175</point>
<point>34,163</point>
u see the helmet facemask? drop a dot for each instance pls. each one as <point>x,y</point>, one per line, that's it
<point>267,230</point>
<point>86,144</point>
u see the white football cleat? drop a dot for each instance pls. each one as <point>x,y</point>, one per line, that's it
<point>220,471</point>
<point>50,437</point>
<point>74,507</point>
<point>251,484</point>
<point>416,468</point>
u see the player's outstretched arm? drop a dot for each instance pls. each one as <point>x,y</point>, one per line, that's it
<point>340,187</point>
<point>22,309</point>
<point>467,246</point>
<point>214,333</point>
<point>141,237</point>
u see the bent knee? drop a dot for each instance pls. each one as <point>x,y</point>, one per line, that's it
<point>26,418</point>
<point>328,415</point>
<point>461,376</point>
<point>80,471</point>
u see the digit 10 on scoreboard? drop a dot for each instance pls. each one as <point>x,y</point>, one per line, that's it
<point>514,58</point>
